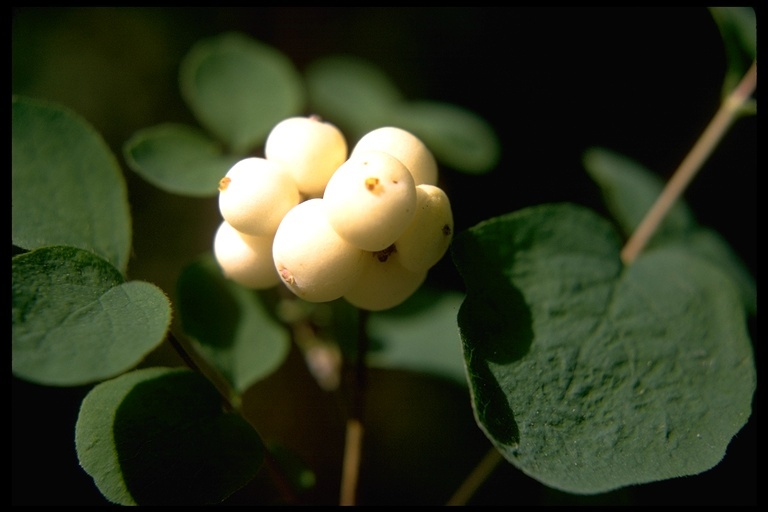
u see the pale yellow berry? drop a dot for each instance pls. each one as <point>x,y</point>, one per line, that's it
<point>255,194</point>
<point>404,146</point>
<point>313,261</point>
<point>245,259</point>
<point>428,236</point>
<point>371,200</point>
<point>310,149</point>
<point>384,283</point>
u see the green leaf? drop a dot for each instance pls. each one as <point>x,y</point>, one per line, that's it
<point>239,88</point>
<point>75,320</point>
<point>230,325</point>
<point>738,28</point>
<point>458,137</point>
<point>424,340</point>
<point>589,376</point>
<point>67,187</point>
<point>629,191</point>
<point>158,436</point>
<point>350,92</point>
<point>178,159</point>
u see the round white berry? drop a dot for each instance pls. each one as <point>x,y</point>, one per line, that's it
<point>430,232</point>
<point>371,200</point>
<point>313,261</point>
<point>404,146</point>
<point>245,259</point>
<point>310,149</point>
<point>255,194</point>
<point>384,283</point>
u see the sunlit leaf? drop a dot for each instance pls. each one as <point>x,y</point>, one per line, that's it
<point>159,436</point>
<point>458,137</point>
<point>240,88</point>
<point>230,325</point>
<point>66,185</point>
<point>423,340</point>
<point>178,159</point>
<point>352,93</point>
<point>75,320</point>
<point>589,376</point>
<point>629,191</point>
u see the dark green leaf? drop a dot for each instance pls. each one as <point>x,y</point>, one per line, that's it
<point>178,159</point>
<point>458,137</point>
<point>75,321</point>
<point>629,191</point>
<point>230,325</point>
<point>352,93</point>
<point>589,376</point>
<point>158,436</point>
<point>67,187</point>
<point>239,88</point>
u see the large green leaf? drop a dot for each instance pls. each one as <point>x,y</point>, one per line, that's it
<point>67,187</point>
<point>229,325</point>
<point>590,376</point>
<point>629,191</point>
<point>424,339</point>
<point>239,88</point>
<point>159,436</point>
<point>458,137</point>
<point>350,92</point>
<point>76,321</point>
<point>178,159</point>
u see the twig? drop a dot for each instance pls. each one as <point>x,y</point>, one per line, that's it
<point>692,163</point>
<point>476,478</point>
<point>354,435</point>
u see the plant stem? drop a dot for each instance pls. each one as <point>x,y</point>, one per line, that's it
<point>354,435</point>
<point>723,119</point>
<point>476,478</point>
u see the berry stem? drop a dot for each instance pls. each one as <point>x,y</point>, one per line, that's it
<point>713,133</point>
<point>354,435</point>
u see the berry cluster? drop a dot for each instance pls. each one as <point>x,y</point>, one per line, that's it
<point>365,225</point>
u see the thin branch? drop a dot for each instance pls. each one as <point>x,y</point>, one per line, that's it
<point>354,435</point>
<point>692,163</point>
<point>476,478</point>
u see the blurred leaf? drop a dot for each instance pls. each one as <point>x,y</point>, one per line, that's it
<point>75,321</point>
<point>158,436</point>
<point>351,93</point>
<point>458,137</point>
<point>67,187</point>
<point>738,28</point>
<point>178,159</point>
<point>424,340</point>
<point>229,325</point>
<point>589,376</point>
<point>299,474</point>
<point>629,191</point>
<point>239,88</point>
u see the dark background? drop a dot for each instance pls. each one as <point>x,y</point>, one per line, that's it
<point>551,81</point>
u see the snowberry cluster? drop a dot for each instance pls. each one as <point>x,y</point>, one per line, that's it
<point>366,225</point>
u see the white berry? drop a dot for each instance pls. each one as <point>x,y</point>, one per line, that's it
<point>255,194</point>
<point>428,236</point>
<point>245,259</point>
<point>371,200</point>
<point>313,261</point>
<point>384,283</point>
<point>310,149</point>
<point>404,146</point>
